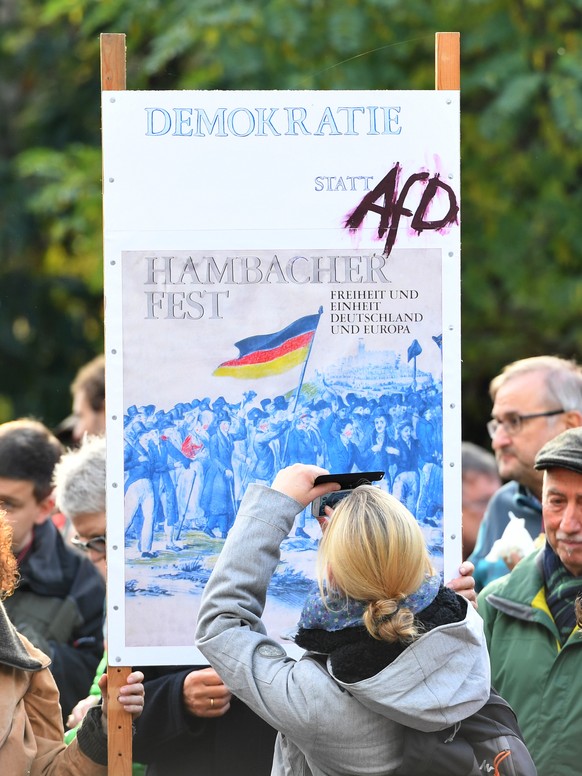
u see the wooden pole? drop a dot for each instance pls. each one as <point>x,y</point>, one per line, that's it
<point>112,61</point>
<point>119,729</point>
<point>447,60</point>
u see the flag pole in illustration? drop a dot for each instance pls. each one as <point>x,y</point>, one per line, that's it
<point>302,377</point>
<point>298,392</point>
<point>414,350</point>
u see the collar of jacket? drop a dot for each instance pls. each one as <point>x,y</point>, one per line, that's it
<point>50,567</point>
<point>525,498</point>
<point>515,593</point>
<point>13,653</point>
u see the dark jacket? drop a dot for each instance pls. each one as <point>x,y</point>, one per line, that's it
<point>174,743</point>
<point>58,605</point>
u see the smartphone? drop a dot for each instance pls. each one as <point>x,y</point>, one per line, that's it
<point>347,482</point>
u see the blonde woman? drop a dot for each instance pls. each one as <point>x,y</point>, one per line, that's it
<point>387,645</point>
<point>31,727</point>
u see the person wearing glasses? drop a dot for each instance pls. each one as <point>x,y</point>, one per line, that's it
<point>58,602</point>
<point>534,400</point>
<point>80,493</point>
<point>190,713</point>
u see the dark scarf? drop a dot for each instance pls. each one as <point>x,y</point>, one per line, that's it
<point>562,589</point>
<point>355,655</point>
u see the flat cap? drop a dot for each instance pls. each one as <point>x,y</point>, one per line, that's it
<point>562,452</point>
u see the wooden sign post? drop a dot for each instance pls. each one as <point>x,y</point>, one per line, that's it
<point>447,60</point>
<point>119,727</point>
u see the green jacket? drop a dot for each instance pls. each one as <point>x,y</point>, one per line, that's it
<point>529,668</point>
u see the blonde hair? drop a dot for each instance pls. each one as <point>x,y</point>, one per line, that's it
<point>373,550</point>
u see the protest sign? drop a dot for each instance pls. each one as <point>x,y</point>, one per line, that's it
<point>282,284</point>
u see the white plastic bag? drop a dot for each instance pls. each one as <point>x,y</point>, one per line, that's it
<point>515,542</point>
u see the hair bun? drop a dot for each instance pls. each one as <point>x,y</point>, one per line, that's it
<point>385,620</point>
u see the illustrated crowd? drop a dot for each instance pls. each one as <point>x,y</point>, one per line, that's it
<point>387,645</point>
<point>191,465</point>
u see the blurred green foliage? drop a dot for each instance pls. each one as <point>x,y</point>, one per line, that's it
<point>521,68</point>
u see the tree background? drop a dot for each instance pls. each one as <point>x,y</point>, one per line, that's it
<point>521,125</point>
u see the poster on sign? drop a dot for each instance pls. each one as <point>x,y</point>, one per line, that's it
<point>282,285</point>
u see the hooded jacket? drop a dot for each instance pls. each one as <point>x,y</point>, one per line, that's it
<point>31,729</point>
<point>537,676</point>
<point>328,727</point>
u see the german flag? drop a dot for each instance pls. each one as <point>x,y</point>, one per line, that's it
<point>272,354</point>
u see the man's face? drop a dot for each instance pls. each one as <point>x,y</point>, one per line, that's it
<point>92,525</point>
<point>397,412</point>
<point>22,509</point>
<point>87,420</point>
<point>523,395</point>
<point>347,431</point>
<point>562,510</point>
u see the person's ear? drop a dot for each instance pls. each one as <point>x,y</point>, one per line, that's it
<point>573,418</point>
<point>45,509</point>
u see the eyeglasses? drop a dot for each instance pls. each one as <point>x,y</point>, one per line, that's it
<point>97,544</point>
<point>512,423</point>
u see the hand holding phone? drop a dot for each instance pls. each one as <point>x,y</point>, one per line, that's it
<point>297,482</point>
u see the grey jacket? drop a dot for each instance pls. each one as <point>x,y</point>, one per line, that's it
<point>327,727</point>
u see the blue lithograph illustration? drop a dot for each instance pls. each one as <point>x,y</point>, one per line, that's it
<point>348,377</point>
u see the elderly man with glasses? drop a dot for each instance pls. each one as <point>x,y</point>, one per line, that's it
<point>80,494</point>
<point>190,713</point>
<point>534,400</point>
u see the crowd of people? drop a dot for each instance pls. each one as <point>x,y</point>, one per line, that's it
<point>190,466</point>
<point>377,614</point>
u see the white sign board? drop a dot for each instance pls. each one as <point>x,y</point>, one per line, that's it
<point>282,284</point>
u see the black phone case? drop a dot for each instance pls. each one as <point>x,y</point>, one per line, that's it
<point>350,480</point>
